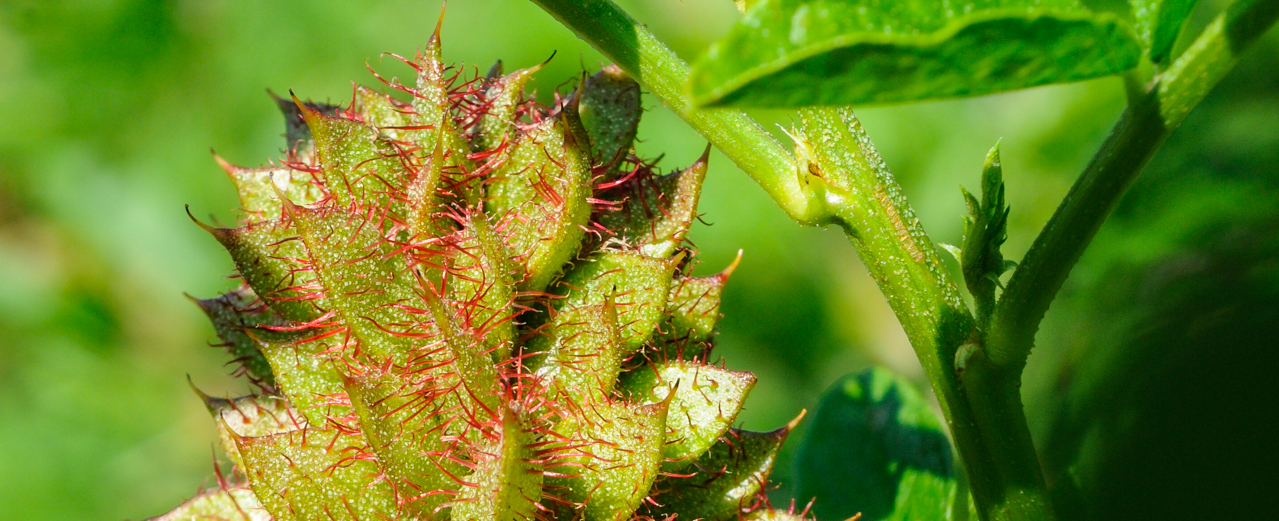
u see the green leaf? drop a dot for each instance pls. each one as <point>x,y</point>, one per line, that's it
<point>304,371</point>
<point>985,230</point>
<point>1159,22</point>
<point>657,211</point>
<point>606,457</point>
<point>585,354</point>
<point>694,303</point>
<point>508,476</point>
<point>788,53</point>
<point>502,97</point>
<point>258,188</point>
<point>219,504</point>
<point>480,284</point>
<point>723,480</point>
<point>315,474</point>
<point>251,416</point>
<point>405,420</point>
<point>359,164</point>
<point>637,283</point>
<point>877,448</point>
<point>705,401</point>
<point>363,287</point>
<point>610,110</point>
<point>539,198</point>
<point>267,255</point>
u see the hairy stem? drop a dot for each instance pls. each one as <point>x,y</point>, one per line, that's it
<point>1140,130</point>
<point>619,37</point>
<point>985,420</point>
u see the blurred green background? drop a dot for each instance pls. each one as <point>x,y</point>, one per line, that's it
<point>1153,392</point>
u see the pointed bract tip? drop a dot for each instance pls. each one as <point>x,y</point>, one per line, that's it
<point>790,426</point>
<point>732,266</point>
<point>308,113</point>
<point>439,23</point>
<point>548,60</point>
<point>202,303</point>
<point>706,156</point>
<point>226,166</point>
<point>495,71</point>
<point>216,232</point>
<point>286,204</point>
<point>211,403</point>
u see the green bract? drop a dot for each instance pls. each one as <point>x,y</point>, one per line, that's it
<point>787,53</point>
<point>473,307</point>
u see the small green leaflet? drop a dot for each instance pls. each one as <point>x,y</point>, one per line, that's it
<point>1159,22</point>
<point>876,447</point>
<point>790,53</point>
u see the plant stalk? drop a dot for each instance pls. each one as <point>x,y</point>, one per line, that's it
<point>1141,129</point>
<point>628,44</point>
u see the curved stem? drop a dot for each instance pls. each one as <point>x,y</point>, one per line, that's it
<point>1139,132</point>
<point>612,32</point>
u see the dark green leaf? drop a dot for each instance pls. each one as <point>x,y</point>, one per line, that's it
<point>1159,22</point>
<point>877,448</point>
<point>723,480</point>
<point>657,212</point>
<point>234,314</point>
<point>787,53</point>
<point>610,109</point>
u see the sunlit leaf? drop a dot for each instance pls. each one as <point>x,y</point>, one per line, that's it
<point>787,53</point>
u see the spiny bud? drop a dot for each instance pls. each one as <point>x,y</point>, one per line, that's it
<point>470,306</point>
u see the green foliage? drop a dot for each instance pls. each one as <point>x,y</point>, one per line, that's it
<point>985,230</point>
<point>875,447</point>
<point>1158,23</point>
<point>436,334</point>
<point>788,53</point>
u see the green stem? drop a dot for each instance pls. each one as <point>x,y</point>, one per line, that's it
<point>984,417</point>
<point>628,44</point>
<point>1139,132</point>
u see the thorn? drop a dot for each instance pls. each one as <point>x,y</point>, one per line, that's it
<point>439,23</point>
<point>548,60</point>
<point>728,272</point>
<point>307,112</point>
<point>495,72</point>
<point>210,403</point>
<point>795,422</point>
<point>219,233</point>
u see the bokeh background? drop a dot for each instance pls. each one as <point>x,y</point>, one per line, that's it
<point>1153,392</point>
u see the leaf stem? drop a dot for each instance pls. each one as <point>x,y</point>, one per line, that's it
<point>1141,129</point>
<point>615,34</point>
